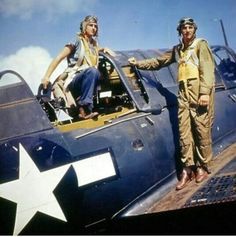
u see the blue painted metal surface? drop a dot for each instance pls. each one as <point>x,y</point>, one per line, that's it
<point>143,146</point>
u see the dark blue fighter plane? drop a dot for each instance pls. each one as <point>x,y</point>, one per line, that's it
<point>60,175</point>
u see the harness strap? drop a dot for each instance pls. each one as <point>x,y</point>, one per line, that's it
<point>86,56</point>
<point>191,53</point>
<point>81,53</point>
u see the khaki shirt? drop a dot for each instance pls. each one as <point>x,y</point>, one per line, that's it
<point>206,64</point>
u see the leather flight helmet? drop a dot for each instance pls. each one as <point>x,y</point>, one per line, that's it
<point>87,20</point>
<point>186,20</point>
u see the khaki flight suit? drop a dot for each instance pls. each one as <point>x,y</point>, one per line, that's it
<point>195,77</point>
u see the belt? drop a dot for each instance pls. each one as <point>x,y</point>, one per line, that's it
<point>185,82</point>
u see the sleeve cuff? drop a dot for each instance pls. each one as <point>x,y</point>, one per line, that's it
<point>204,91</point>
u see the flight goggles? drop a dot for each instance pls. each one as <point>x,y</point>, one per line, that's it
<point>186,20</point>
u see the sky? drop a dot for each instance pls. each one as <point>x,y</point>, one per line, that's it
<point>33,32</point>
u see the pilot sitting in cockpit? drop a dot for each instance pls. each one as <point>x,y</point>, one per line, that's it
<point>78,83</point>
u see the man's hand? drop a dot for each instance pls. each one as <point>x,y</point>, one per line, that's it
<point>204,100</point>
<point>132,61</point>
<point>108,51</point>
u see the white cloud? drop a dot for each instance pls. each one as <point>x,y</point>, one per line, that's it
<point>31,63</point>
<point>50,8</point>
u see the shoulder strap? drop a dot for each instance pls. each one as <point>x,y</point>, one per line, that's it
<point>193,51</point>
<point>176,49</point>
<point>81,52</point>
<point>195,42</point>
<point>85,55</point>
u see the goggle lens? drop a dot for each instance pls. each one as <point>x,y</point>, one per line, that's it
<point>185,20</point>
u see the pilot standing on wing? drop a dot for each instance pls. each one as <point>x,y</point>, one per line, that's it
<point>195,99</point>
<point>80,79</point>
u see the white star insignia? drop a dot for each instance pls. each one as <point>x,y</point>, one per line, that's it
<point>33,191</point>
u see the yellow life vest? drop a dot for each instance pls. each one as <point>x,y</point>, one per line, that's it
<point>188,62</point>
<point>87,58</point>
<point>90,53</point>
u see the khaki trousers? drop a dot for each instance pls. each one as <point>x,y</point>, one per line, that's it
<point>195,125</point>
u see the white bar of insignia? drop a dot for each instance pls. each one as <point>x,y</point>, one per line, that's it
<point>94,168</point>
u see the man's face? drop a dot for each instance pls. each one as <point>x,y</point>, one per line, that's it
<point>91,29</point>
<point>187,32</point>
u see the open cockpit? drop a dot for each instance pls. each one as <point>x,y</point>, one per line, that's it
<point>112,99</point>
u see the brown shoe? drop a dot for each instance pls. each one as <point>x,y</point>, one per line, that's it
<point>186,178</point>
<point>201,174</point>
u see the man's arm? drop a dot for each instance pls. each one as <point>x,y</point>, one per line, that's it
<point>206,68</point>
<point>53,65</point>
<point>206,73</point>
<point>154,63</point>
